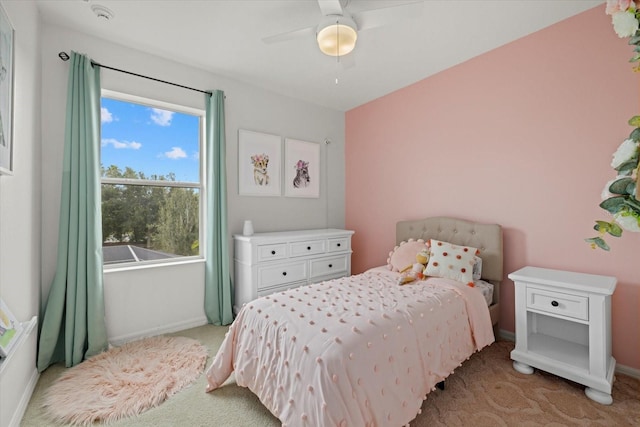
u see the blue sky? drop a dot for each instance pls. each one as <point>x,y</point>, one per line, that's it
<point>149,140</point>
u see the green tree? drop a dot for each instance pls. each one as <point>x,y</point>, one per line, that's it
<point>177,228</point>
<point>114,212</point>
<point>161,218</point>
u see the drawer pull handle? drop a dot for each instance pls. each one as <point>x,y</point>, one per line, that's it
<point>284,273</point>
<point>554,303</point>
<point>308,248</point>
<point>338,244</point>
<point>273,252</point>
<point>330,265</point>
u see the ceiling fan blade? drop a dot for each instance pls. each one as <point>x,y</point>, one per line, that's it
<point>290,35</point>
<point>387,15</point>
<point>330,7</point>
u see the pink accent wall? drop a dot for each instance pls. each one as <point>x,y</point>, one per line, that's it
<point>521,136</point>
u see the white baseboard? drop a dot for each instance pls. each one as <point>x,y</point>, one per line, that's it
<point>24,399</point>
<point>164,329</point>
<point>627,370</point>
<point>507,335</point>
<point>620,369</point>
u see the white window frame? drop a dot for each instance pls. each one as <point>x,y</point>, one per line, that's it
<point>202,226</point>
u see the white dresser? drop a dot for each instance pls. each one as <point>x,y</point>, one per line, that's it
<point>563,326</point>
<point>272,262</point>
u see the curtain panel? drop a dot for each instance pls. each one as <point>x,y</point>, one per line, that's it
<point>218,287</point>
<point>73,325</point>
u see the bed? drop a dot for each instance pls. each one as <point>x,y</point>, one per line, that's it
<point>363,350</point>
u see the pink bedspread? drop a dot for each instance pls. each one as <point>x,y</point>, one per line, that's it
<point>357,351</point>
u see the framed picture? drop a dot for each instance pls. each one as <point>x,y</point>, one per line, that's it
<point>302,168</point>
<point>6,94</point>
<point>259,163</point>
<point>10,329</point>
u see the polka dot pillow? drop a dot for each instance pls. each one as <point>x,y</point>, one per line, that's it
<point>451,261</point>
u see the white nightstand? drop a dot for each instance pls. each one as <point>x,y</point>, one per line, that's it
<point>563,326</point>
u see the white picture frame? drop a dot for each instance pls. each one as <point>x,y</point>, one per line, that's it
<point>302,168</point>
<point>10,329</point>
<point>6,93</point>
<point>259,164</point>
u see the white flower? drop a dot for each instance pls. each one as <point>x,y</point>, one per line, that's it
<point>625,152</point>
<point>628,220</point>
<point>625,23</point>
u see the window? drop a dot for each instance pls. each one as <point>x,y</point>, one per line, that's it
<point>151,180</point>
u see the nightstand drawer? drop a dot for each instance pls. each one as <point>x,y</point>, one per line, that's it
<point>283,273</point>
<point>271,252</point>
<point>308,247</point>
<point>337,245</point>
<point>327,266</point>
<point>568,305</point>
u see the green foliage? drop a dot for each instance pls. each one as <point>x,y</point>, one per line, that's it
<point>165,219</point>
<point>622,186</point>
<point>177,228</point>
<point>623,203</point>
<point>598,242</point>
<point>608,227</point>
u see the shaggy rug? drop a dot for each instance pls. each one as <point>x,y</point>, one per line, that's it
<point>125,381</point>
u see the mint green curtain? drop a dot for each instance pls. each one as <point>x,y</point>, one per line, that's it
<point>73,325</point>
<point>218,290</point>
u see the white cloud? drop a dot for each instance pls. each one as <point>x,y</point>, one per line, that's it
<point>176,153</point>
<point>121,144</point>
<point>105,115</point>
<point>161,117</point>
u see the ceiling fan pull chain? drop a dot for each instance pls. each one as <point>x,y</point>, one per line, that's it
<point>338,49</point>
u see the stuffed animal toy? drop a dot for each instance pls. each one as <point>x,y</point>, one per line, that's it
<point>415,271</point>
<point>423,257</point>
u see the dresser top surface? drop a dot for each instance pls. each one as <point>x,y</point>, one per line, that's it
<point>296,234</point>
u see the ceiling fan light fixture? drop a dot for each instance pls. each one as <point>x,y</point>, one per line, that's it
<point>337,36</point>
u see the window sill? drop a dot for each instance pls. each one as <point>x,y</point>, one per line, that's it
<point>146,265</point>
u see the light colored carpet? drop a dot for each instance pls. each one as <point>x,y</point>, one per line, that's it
<point>485,391</point>
<point>125,381</point>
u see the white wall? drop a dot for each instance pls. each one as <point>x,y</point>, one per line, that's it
<point>152,300</point>
<point>20,211</point>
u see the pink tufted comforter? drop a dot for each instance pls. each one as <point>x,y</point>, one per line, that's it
<point>357,351</point>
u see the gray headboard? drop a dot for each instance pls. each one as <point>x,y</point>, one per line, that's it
<point>486,237</point>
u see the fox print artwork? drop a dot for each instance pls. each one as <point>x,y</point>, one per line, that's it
<point>260,163</point>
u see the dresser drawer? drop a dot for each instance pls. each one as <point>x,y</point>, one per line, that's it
<point>308,247</point>
<point>567,305</point>
<point>272,252</point>
<point>337,245</point>
<point>282,273</point>
<point>328,266</point>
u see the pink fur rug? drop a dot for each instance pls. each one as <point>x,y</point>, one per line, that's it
<point>126,380</point>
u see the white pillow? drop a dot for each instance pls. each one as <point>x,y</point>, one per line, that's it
<point>451,261</point>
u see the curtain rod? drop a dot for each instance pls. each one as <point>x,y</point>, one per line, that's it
<point>65,57</point>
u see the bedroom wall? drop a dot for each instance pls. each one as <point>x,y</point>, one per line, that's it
<point>521,136</point>
<point>20,213</point>
<point>149,301</point>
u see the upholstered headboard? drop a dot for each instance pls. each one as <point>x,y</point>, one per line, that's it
<point>486,237</point>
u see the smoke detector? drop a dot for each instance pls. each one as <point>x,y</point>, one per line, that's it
<point>102,12</point>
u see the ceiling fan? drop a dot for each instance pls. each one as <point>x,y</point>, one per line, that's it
<point>337,31</point>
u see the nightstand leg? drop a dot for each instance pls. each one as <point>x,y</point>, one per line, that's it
<point>522,368</point>
<point>598,396</point>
